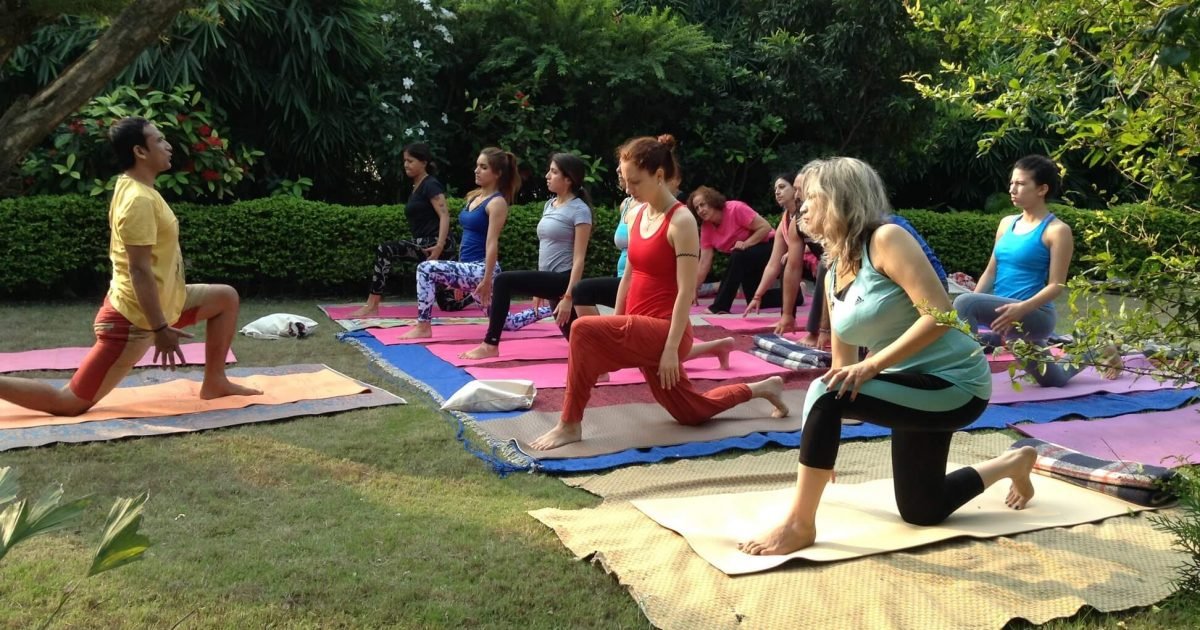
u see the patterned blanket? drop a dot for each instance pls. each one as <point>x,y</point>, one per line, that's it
<point>1142,484</point>
<point>793,355</point>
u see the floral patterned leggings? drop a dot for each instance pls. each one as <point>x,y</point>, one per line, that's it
<point>462,276</point>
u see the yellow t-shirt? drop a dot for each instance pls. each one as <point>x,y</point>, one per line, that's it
<point>139,215</point>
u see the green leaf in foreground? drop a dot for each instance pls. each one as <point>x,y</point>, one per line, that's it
<point>122,543</point>
<point>20,520</point>
<point>8,484</point>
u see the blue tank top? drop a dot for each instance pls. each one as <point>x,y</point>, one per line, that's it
<point>474,224</point>
<point>1022,262</point>
<point>875,311</point>
<point>621,238</point>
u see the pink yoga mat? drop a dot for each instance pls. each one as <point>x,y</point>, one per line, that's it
<point>409,311</point>
<point>1086,382</point>
<point>739,324</point>
<point>738,308</point>
<point>518,350</point>
<point>1157,438</point>
<point>464,332</point>
<point>70,358</point>
<point>554,375</point>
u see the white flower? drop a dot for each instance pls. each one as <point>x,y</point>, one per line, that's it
<point>386,18</point>
<point>447,14</point>
<point>385,107</point>
<point>424,124</point>
<point>427,5</point>
<point>388,137</point>
<point>445,120</point>
<point>417,44</point>
<point>407,98</point>
<point>445,32</point>
<point>420,132</point>
<point>408,132</point>
<point>408,83</point>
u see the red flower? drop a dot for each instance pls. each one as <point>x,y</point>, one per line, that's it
<point>209,175</point>
<point>204,130</point>
<point>520,96</point>
<point>213,141</point>
<point>199,147</point>
<point>181,117</point>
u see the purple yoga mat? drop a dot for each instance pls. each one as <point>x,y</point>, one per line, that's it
<point>1158,438</point>
<point>71,358</point>
<point>554,375</point>
<point>1086,382</point>
<point>464,332</point>
<point>518,350</point>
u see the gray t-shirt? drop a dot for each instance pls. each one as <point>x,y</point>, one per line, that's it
<point>556,233</point>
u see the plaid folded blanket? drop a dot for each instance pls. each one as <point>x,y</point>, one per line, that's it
<point>1142,484</point>
<point>781,361</point>
<point>807,358</point>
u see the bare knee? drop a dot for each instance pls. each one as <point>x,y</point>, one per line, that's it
<point>67,404</point>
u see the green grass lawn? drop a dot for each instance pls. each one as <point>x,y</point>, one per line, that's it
<point>372,518</point>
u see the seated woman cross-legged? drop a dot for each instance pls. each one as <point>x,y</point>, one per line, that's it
<point>1027,271</point>
<point>922,379</point>
<point>651,330</point>
<point>734,228</point>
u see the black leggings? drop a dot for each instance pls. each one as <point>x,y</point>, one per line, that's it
<point>550,285</point>
<point>745,270</point>
<point>412,251</point>
<point>818,301</point>
<point>923,412</point>
<point>594,291</point>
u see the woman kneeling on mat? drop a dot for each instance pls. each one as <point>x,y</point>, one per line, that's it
<point>563,234</point>
<point>651,330</point>
<point>787,255</point>
<point>1027,271</point>
<point>922,379</point>
<point>734,228</point>
<point>482,220</point>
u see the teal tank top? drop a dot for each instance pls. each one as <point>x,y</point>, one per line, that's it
<point>1022,262</point>
<point>875,311</point>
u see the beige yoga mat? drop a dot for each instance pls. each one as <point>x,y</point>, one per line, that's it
<point>964,583</point>
<point>182,396</point>
<point>858,520</point>
<point>617,428</point>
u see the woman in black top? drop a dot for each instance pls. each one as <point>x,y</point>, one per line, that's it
<point>428,218</point>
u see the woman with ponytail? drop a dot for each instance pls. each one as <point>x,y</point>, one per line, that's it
<point>482,219</point>
<point>428,218</point>
<point>563,234</point>
<point>651,329</point>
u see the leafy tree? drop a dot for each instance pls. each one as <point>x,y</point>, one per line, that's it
<point>1088,73</point>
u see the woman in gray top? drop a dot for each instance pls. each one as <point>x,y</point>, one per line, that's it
<point>563,235</point>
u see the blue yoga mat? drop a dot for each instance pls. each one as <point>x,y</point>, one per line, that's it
<point>442,379</point>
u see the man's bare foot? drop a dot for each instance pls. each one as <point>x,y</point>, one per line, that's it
<point>422,330</point>
<point>722,349</point>
<point>482,351</point>
<point>220,388</point>
<point>784,539</point>
<point>1017,465</point>
<point>771,390</point>
<point>561,434</point>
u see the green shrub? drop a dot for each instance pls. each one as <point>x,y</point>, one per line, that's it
<point>58,245</point>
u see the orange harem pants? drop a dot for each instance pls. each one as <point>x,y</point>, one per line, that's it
<point>602,344</point>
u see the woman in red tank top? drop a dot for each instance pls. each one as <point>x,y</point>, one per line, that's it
<point>651,329</point>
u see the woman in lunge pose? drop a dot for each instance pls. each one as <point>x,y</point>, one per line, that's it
<point>922,379</point>
<point>651,329</point>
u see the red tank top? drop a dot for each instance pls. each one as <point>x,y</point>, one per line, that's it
<point>654,285</point>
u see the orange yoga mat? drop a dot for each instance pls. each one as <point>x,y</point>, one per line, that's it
<point>182,396</point>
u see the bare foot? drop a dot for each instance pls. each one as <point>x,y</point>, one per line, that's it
<point>809,340</point>
<point>422,330</point>
<point>771,389</point>
<point>784,539</point>
<point>722,350</point>
<point>1019,464</point>
<point>482,351</point>
<point>824,341</point>
<point>365,312</point>
<point>561,434</point>
<point>1111,363</point>
<point>220,388</point>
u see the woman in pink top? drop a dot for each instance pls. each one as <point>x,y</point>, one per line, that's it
<point>734,228</point>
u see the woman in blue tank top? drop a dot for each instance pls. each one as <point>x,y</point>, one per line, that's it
<point>1027,271</point>
<point>922,379</point>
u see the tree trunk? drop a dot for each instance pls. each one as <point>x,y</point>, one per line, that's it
<point>29,120</point>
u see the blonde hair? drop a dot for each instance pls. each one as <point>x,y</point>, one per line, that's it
<point>855,204</point>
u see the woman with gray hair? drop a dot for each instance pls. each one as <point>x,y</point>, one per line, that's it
<point>924,380</point>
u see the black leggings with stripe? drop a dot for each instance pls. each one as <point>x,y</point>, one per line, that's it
<point>923,412</point>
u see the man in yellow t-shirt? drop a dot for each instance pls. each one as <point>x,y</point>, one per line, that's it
<point>148,302</point>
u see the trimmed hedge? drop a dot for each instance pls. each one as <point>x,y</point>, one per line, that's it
<point>57,245</point>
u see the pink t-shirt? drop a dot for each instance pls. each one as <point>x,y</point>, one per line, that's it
<point>735,226</point>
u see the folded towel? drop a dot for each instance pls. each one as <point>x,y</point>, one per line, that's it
<point>790,364</point>
<point>1143,484</point>
<point>788,349</point>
